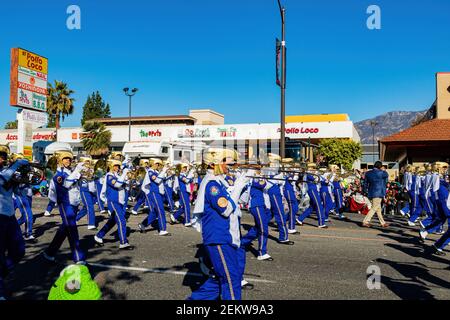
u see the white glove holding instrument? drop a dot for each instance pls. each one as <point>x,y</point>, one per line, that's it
<point>124,176</point>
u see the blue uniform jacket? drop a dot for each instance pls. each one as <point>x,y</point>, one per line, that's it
<point>257,193</point>
<point>215,222</point>
<point>375,183</point>
<point>115,189</point>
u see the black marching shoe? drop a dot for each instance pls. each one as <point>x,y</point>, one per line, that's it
<point>98,241</point>
<point>246,285</point>
<point>437,251</point>
<point>141,228</point>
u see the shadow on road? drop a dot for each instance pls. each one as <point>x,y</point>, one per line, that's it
<point>416,285</point>
<point>34,276</point>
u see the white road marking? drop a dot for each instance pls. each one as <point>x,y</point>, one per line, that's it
<point>165,271</point>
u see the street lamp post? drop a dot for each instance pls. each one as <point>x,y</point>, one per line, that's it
<point>373,124</point>
<point>283,81</point>
<point>133,92</point>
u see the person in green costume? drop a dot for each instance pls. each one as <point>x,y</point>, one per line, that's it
<point>75,283</point>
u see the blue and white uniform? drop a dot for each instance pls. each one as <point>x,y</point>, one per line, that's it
<point>154,191</point>
<point>325,195</point>
<point>168,184</point>
<point>289,192</point>
<point>443,205</point>
<point>261,216</point>
<point>64,190</point>
<point>217,217</point>
<point>21,198</point>
<point>338,195</point>
<point>184,181</point>
<point>140,198</point>
<point>315,204</point>
<point>273,188</point>
<point>87,192</point>
<point>99,180</point>
<point>116,197</point>
<point>12,246</point>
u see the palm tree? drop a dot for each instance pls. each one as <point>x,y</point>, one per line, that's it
<point>59,101</point>
<point>96,139</point>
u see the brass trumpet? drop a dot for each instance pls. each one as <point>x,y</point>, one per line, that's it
<point>32,174</point>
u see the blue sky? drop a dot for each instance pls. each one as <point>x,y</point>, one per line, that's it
<point>219,54</point>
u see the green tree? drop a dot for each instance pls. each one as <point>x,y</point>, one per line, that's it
<point>96,138</point>
<point>59,102</point>
<point>342,152</point>
<point>94,108</point>
<point>11,125</point>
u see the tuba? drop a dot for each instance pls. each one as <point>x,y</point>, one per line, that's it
<point>32,174</point>
<point>87,173</point>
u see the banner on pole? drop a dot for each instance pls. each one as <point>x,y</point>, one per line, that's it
<point>278,61</point>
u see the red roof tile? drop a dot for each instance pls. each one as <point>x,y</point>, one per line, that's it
<point>433,130</point>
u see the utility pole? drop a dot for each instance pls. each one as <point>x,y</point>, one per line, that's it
<point>283,82</point>
<point>133,92</point>
<point>373,124</point>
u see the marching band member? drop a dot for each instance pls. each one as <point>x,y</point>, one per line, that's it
<point>415,187</point>
<point>217,217</point>
<point>314,200</point>
<point>337,192</point>
<point>168,183</point>
<point>425,196</point>
<point>12,246</point>
<point>22,202</point>
<point>99,180</point>
<point>273,188</point>
<point>49,209</point>
<point>154,191</point>
<point>182,184</point>
<point>64,190</point>
<point>443,205</point>
<point>261,216</point>
<point>291,198</point>
<point>140,198</point>
<point>439,195</point>
<point>126,163</point>
<point>325,193</point>
<point>87,191</point>
<point>430,205</point>
<point>407,182</point>
<point>115,195</point>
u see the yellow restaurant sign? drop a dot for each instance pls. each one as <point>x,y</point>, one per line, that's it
<point>33,61</point>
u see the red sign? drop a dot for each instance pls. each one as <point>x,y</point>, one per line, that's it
<point>150,133</point>
<point>300,130</point>
<point>36,137</point>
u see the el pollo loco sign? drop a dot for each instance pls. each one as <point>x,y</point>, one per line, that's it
<point>28,80</point>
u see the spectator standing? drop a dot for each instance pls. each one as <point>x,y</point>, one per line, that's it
<point>375,185</point>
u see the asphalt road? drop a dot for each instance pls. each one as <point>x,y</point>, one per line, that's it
<point>323,264</point>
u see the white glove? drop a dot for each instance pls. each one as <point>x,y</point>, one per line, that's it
<point>79,167</point>
<point>125,174</point>
<point>240,184</point>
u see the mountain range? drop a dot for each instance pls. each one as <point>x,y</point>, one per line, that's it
<point>387,124</point>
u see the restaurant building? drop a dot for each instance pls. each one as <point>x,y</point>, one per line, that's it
<point>303,132</point>
<point>428,141</point>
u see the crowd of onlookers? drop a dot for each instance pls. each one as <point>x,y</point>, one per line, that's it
<point>356,200</point>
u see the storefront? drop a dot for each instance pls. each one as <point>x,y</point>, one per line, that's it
<point>428,141</point>
<point>249,139</point>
